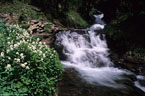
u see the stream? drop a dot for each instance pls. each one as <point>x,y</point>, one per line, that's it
<point>88,69</point>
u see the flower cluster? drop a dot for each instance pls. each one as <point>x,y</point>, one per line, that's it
<point>28,61</point>
<point>18,37</point>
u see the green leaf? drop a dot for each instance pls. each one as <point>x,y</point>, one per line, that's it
<point>18,85</point>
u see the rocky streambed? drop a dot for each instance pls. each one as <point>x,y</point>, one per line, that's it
<point>73,85</point>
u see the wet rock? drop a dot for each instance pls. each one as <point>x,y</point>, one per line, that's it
<point>37,26</point>
<point>131,61</point>
<point>54,28</point>
<point>32,27</point>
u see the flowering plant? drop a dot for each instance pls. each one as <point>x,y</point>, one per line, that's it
<point>27,66</point>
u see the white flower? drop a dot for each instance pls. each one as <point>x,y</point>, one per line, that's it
<point>8,66</point>
<point>26,33</point>
<point>9,42</point>
<point>21,42</point>
<point>41,59</point>
<point>27,67</point>
<point>33,47</point>
<point>23,65</point>
<point>15,45</point>
<point>17,59</point>
<point>35,51</point>
<point>9,58</point>
<point>11,48</point>
<point>40,43</point>
<point>17,53</point>
<point>46,52</point>
<point>8,51</point>
<point>22,55</point>
<point>40,52</point>
<point>33,42</point>
<point>38,39</point>
<point>44,55</point>
<point>2,54</point>
<point>52,55</point>
<point>31,32</point>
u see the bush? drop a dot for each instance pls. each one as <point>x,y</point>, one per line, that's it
<point>27,66</point>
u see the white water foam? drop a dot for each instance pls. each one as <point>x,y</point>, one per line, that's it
<point>138,84</point>
<point>88,54</point>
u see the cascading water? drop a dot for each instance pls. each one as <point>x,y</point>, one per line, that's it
<point>87,52</point>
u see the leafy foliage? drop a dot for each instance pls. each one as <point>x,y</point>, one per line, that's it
<point>27,66</point>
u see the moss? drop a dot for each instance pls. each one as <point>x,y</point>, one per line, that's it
<point>74,19</point>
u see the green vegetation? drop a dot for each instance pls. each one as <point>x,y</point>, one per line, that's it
<point>47,28</point>
<point>27,66</point>
<point>23,11</point>
<point>64,11</point>
<point>74,19</point>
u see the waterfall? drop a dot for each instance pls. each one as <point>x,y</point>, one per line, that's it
<point>87,52</point>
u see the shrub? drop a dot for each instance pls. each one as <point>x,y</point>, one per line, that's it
<point>27,66</point>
